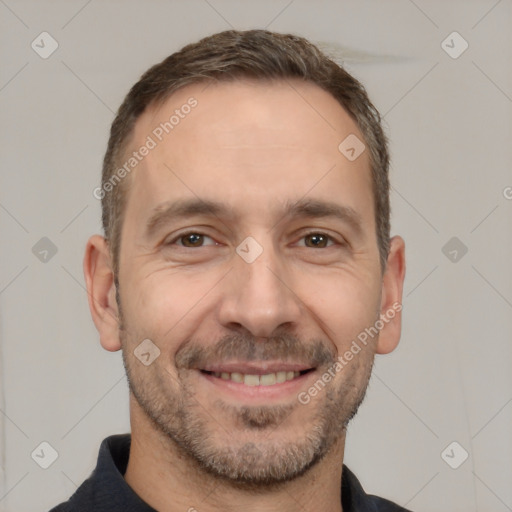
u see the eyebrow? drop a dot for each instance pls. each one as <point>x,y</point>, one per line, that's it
<point>303,208</point>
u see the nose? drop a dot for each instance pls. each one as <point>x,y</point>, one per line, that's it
<point>259,296</point>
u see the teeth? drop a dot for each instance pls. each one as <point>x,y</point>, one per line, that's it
<point>237,377</point>
<point>280,377</point>
<point>268,380</point>
<point>252,380</point>
<point>258,380</point>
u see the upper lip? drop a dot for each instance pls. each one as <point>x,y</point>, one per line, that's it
<point>253,368</point>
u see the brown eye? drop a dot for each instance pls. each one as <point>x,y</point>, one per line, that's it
<point>318,240</point>
<point>191,240</point>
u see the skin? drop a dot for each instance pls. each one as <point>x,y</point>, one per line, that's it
<point>252,147</point>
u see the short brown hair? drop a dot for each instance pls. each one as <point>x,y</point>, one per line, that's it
<point>231,55</point>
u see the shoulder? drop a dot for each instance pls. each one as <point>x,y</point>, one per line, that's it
<point>106,483</point>
<point>355,499</point>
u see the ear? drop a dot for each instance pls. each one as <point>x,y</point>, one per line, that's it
<point>391,300</point>
<point>101,292</point>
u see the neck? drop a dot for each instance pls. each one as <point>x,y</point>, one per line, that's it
<point>169,481</point>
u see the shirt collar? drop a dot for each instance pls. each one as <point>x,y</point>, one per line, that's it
<point>107,490</point>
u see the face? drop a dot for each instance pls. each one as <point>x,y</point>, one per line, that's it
<point>249,258</point>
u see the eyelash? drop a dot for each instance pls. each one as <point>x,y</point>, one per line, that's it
<point>182,235</point>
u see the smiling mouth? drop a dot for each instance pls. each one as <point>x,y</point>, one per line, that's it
<point>268,379</point>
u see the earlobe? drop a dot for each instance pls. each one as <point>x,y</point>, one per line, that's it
<point>101,292</point>
<point>391,302</point>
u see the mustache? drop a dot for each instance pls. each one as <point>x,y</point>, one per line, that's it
<point>286,348</point>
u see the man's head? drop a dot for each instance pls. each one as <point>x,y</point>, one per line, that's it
<point>247,261</point>
<point>228,56</point>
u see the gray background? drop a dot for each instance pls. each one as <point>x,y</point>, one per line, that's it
<point>450,123</point>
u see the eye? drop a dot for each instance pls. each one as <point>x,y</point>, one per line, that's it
<point>190,239</point>
<point>317,239</point>
<point>195,239</point>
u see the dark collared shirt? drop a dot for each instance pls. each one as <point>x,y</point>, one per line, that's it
<point>106,490</point>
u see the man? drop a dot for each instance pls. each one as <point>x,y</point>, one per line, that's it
<point>248,276</point>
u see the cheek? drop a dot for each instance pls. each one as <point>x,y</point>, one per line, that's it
<point>346,307</point>
<point>156,304</point>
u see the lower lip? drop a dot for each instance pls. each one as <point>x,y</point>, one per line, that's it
<point>240,390</point>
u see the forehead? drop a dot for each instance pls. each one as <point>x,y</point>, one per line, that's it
<point>248,141</point>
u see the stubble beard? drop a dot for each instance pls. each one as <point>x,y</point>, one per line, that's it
<point>210,444</point>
